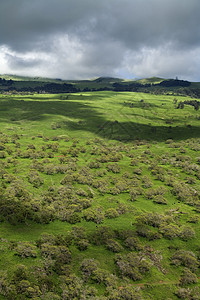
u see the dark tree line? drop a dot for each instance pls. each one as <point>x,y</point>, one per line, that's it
<point>173,83</point>
<point>5,82</point>
<point>130,87</point>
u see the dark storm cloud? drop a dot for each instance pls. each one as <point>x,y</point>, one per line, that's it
<point>85,38</point>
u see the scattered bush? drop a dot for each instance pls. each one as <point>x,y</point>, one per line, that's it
<point>114,246</point>
<point>95,215</point>
<point>26,249</point>
<point>160,200</point>
<point>132,266</point>
<point>111,213</point>
<point>185,258</point>
<point>188,277</point>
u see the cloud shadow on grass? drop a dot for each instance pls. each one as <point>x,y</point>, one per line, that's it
<point>79,116</point>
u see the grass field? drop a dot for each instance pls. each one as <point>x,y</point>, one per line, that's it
<point>113,179</point>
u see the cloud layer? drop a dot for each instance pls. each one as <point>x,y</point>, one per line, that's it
<point>85,38</point>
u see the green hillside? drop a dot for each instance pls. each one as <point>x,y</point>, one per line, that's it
<point>99,195</point>
<point>151,80</point>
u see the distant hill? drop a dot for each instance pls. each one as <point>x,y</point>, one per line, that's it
<point>25,78</point>
<point>154,85</point>
<point>108,79</point>
<point>152,80</point>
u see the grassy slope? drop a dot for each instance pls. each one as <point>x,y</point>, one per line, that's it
<point>113,117</point>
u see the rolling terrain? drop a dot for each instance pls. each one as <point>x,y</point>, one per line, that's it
<point>100,192</point>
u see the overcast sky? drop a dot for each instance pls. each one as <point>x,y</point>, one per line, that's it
<point>79,39</point>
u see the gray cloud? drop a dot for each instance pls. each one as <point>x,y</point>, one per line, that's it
<point>18,63</point>
<point>87,38</point>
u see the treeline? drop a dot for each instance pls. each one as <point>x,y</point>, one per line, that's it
<point>50,88</point>
<point>129,87</point>
<point>59,88</point>
<point>174,83</point>
<point>4,82</point>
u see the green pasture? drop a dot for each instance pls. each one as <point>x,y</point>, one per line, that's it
<point>115,116</point>
<point>142,127</point>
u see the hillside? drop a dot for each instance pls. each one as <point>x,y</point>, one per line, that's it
<point>99,196</point>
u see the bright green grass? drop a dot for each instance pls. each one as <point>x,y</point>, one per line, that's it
<point>103,114</point>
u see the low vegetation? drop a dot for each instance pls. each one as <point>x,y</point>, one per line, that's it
<point>99,197</point>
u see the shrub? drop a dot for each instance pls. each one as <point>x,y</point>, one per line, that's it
<point>88,266</point>
<point>133,243</point>
<point>113,168</point>
<point>151,193</point>
<point>114,191</point>
<point>183,293</point>
<point>132,266</point>
<point>78,233</point>
<point>134,193</point>
<point>134,162</point>
<point>82,244</point>
<point>35,179</point>
<point>73,217</point>
<point>169,231</point>
<point>95,215</point>
<point>101,235</point>
<point>188,277</point>
<point>187,233</point>
<point>190,180</point>
<point>114,246</point>
<point>193,219</point>
<point>26,249</point>
<point>59,253</point>
<point>186,259</point>
<point>99,275</point>
<point>146,182</point>
<point>74,288</point>
<point>94,165</point>
<point>143,231</point>
<point>45,238</point>
<point>81,192</point>
<point>122,208</point>
<point>50,169</point>
<point>20,273</point>
<point>127,292</point>
<point>2,154</point>
<point>111,213</point>
<point>121,185</point>
<point>137,171</point>
<point>159,200</point>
